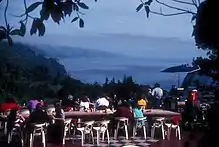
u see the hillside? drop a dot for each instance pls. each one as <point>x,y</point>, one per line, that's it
<point>26,73</point>
<point>25,56</point>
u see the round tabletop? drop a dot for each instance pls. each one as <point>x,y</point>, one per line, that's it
<point>81,114</point>
<point>160,112</point>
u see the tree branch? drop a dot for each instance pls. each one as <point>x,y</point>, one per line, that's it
<point>29,16</point>
<point>5,13</point>
<point>182,2</point>
<point>176,8</point>
<point>25,14</point>
<point>25,6</point>
<point>171,14</point>
<point>195,3</point>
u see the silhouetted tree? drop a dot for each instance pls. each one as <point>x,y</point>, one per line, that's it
<point>106,81</point>
<point>112,82</point>
<point>206,34</point>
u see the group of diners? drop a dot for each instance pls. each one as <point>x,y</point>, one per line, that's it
<point>39,113</point>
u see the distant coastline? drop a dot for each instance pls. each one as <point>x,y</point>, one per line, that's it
<point>91,66</point>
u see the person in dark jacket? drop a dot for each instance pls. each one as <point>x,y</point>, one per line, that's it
<point>56,130</point>
<point>14,118</point>
<point>39,116</point>
<point>124,111</point>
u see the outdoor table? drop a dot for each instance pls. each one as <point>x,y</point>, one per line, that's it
<point>81,114</point>
<point>160,113</point>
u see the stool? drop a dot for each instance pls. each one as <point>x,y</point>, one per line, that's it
<point>143,125</point>
<point>171,126</point>
<point>119,121</point>
<point>159,123</point>
<point>15,131</point>
<point>67,128</point>
<point>38,128</point>
<point>87,129</point>
<point>103,128</point>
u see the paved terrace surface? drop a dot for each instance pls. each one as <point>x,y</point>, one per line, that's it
<point>121,142</point>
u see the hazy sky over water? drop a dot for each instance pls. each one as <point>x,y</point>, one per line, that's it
<point>114,25</point>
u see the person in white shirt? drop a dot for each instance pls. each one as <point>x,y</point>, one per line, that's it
<point>102,103</point>
<point>85,104</point>
<point>157,92</point>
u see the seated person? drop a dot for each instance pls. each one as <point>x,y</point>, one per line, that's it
<point>124,110</point>
<point>138,113</point>
<point>68,103</point>
<point>131,102</point>
<point>102,103</point>
<point>76,104</point>
<point>59,112</point>
<point>39,115</point>
<point>42,102</point>
<point>31,105</point>
<point>14,119</point>
<point>142,102</point>
<point>85,104</point>
<point>8,105</point>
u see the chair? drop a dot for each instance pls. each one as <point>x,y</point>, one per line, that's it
<point>38,131</point>
<point>3,124</point>
<point>6,113</point>
<point>175,126</point>
<point>142,121</point>
<point>87,129</point>
<point>102,129</point>
<point>159,123</point>
<point>15,131</point>
<point>125,124</point>
<point>67,128</point>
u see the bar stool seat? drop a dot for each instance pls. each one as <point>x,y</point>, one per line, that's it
<point>121,120</point>
<point>39,130</point>
<point>102,129</point>
<point>142,121</point>
<point>158,123</point>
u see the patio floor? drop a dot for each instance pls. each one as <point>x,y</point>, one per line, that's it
<point>140,142</point>
<point>122,142</point>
